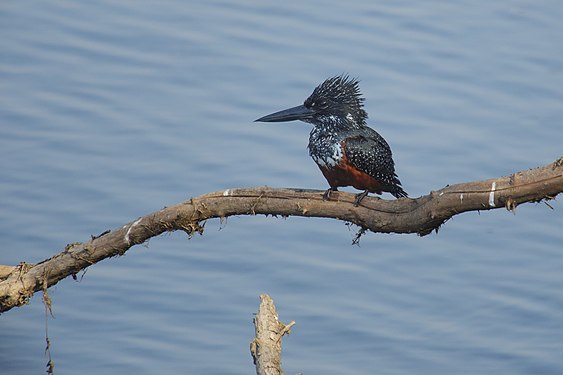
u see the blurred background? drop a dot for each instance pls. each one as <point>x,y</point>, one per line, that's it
<point>112,110</point>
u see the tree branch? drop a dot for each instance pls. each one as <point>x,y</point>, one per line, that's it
<point>266,346</point>
<point>421,215</point>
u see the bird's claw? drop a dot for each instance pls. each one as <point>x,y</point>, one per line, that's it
<point>327,193</point>
<point>359,198</point>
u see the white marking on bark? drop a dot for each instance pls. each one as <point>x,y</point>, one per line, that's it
<point>129,230</point>
<point>492,194</point>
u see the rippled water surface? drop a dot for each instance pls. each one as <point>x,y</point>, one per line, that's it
<point>112,110</point>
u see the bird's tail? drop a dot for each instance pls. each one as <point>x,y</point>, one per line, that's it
<point>396,189</point>
<point>398,192</point>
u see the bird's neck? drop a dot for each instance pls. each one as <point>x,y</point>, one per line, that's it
<point>333,123</point>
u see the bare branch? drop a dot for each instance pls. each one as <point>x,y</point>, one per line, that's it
<point>421,215</point>
<point>266,346</point>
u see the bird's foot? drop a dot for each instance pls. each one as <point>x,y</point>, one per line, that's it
<point>359,198</point>
<point>326,195</point>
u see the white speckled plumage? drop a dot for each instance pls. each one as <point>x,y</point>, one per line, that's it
<point>348,152</point>
<point>340,130</point>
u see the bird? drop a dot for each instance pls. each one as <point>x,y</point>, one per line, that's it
<point>347,151</point>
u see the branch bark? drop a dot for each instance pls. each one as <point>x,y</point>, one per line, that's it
<point>421,215</point>
<point>266,346</point>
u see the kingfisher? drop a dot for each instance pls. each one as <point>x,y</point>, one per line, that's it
<point>347,151</point>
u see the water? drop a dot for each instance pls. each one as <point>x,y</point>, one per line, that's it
<point>111,111</point>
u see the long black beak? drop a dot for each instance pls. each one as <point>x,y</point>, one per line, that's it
<point>296,113</point>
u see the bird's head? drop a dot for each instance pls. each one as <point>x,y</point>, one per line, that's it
<point>336,100</point>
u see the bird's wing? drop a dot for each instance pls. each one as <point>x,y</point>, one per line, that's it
<point>371,154</point>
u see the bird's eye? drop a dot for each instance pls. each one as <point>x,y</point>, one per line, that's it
<point>323,104</point>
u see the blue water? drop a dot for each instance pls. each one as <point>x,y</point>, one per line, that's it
<point>111,110</point>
